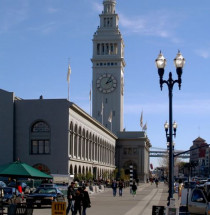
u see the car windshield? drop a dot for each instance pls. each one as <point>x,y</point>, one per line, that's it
<point>46,190</point>
<point>7,190</point>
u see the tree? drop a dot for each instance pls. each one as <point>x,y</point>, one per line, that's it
<point>164,163</point>
<point>122,174</point>
<point>89,176</point>
<point>114,174</point>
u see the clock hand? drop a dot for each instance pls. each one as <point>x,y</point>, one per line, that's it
<point>109,80</point>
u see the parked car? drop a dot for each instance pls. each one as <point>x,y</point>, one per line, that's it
<point>45,196</point>
<point>2,184</point>
<point>11,195</point>
<point>195,201</point>
<point>207,188</point>
<point>200,184</point>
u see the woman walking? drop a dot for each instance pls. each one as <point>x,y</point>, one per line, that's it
<point>134,188</point>
<point>85,200</point>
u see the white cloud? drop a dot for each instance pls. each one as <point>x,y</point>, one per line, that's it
<point>98,7</point>
<point>203,53</point>
<point>45,29</point>
<point>158,24</point>
<point>12,16</point>
<point>52,10</point>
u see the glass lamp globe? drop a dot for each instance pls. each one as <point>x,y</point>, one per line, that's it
<point>160,61</point>
<point>179,61</point>
<point>166,125</point>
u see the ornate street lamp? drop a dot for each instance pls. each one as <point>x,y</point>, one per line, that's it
<point>179,62</point>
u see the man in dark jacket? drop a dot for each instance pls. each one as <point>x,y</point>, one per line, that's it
<point>114,187</point>
<point>85,201</point>
<point>71,198</point>
<point>121,186</point>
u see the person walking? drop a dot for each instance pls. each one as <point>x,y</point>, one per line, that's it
<point>180,187</point>
<point>85,201</point>
<point>156,182</point>
<point>134,188</point>
<point>114,187</point>
<point>78,201</point>
<point>71,198</point>
<point>121,186</point>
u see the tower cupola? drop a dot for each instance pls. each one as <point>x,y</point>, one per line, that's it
<point>109,6</point>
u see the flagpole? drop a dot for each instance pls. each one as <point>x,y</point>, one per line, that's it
<point>68,90</point>
<point>90,99</point>
<point>102,112</point>
<point>111,126</point>
<point>110,119</point>
<point>141,120</point>
<point>68,78</point>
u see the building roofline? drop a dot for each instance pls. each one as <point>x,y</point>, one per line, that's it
<point>79,110</point>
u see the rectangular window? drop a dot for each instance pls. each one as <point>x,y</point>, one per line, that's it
<point>40,147</point>
<point>98,49</point>
<point>47,147</point>
<point>34,148</point>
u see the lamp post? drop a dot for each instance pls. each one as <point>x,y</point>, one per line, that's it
<point>179,62</point>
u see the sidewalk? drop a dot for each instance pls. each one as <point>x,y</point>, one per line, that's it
<point>103,203</point>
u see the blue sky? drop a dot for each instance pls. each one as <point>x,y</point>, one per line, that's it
<point>37,39</point>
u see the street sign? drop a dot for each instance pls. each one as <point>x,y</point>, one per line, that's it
<point>158,210</point>
<point>59,208</point>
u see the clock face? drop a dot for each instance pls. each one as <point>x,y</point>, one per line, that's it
<point>106,83</point>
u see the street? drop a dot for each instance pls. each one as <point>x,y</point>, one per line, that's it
<point>104,203</point>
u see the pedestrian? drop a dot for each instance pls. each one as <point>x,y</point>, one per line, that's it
<point>114,187</point>
<point>156,182</point>
<point>71,192</point>
<point>20,189</point>
<point>151,180</point>
<point>121,186</point>
<point>180,187</point>
<point>134,188</point>
<point>85,200</point>
<point>78,201</point>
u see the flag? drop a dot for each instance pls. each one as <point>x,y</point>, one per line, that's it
<point>110,117</point>
<point>144,127</point>
<point>68,73</point>
<point>141,119</point>
<point>90,95</point>
<point>102,108</point>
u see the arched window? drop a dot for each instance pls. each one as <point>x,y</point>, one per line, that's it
<point>83,144</point>
<point>75,141</point>
<point>71,139</point>
<point>80,143</point>
<point>87,146</point>
<point>40,138</point>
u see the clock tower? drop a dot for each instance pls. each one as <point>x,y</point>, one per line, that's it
<point>108,70</point>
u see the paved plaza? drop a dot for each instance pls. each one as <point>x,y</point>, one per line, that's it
<point>105,204</point>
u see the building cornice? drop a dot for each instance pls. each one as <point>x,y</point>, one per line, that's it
<point>80,111</point>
